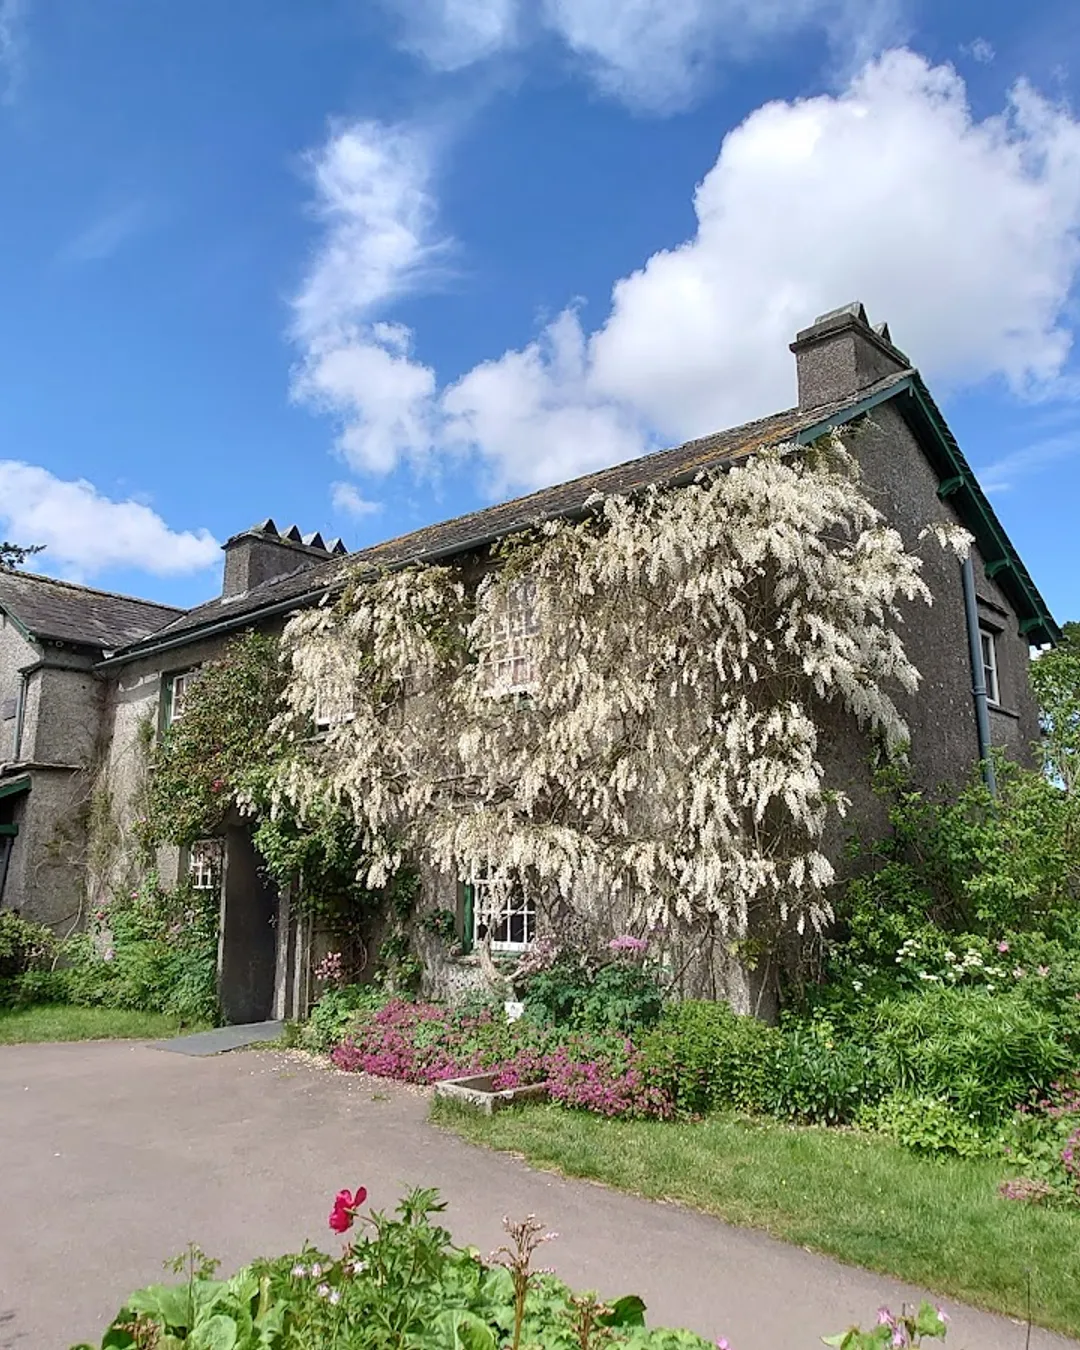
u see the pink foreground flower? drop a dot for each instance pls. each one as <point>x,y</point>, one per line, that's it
<point>343,1213</point>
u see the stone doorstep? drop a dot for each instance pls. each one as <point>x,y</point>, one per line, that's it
<point>478,1092</point>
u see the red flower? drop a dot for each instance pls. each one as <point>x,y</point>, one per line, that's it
<point>345,1207</point>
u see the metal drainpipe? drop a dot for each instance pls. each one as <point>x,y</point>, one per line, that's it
<point>978,675</point>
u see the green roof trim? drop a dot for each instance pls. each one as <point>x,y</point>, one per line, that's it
<point>10,787</point>
<point>10,830</point>
<point>957,482</point>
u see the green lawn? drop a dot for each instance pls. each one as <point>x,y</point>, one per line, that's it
<point>62,1022</point>
<point>937,1223</point>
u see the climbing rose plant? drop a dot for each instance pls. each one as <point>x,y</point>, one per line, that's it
<point>681,650</point>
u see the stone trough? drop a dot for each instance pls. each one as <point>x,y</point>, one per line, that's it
<point>479,1092</point>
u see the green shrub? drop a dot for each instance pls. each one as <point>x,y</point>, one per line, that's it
<point>583,994</point>
<point>980,1051</point>
<point>819,1078</point>
<point>337,1012</point>
<point>707,1057</point>
<point>151,951</point>
<point>26,950</point>
<point>925,1125</point>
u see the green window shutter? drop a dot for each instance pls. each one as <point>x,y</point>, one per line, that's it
<point>468,918</point>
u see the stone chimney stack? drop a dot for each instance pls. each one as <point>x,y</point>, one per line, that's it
<point>840,354</point>
<point>262,553</point>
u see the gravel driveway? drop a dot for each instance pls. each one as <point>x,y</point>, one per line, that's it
<point>114,1155</point>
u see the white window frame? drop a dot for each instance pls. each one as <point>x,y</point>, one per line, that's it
<point>509,662</point>
<point>331,710</point>
<point>499,912</point>
<point>988,651</point>
<point>205,863</point>
<point>178,683</point>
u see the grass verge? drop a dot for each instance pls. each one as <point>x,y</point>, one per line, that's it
<point>936,1222</point>
<point>63,1022</point>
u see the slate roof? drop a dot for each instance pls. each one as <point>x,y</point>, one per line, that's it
<point>63,612</point>
<point>478,528</point>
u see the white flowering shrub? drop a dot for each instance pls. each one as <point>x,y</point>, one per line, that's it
<point>679,650</point>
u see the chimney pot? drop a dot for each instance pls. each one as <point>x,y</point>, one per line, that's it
<point>840,354</point>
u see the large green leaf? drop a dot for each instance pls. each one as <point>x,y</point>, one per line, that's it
<point>628,1311</point>
<point>216,1333</point>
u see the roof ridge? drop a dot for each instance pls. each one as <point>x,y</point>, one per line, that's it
<point>92,590</point>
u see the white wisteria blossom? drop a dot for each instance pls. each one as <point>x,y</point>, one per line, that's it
<point>655,753</point>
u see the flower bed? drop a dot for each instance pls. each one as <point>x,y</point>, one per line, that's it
<point>424,1042</point>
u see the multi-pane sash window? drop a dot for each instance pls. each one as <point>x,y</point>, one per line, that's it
<point>333,706</point>
<point>988,640</point>
<point>504,913</point>
<point>509,664</point>
<point>176,693</point>
<point>204,868</point>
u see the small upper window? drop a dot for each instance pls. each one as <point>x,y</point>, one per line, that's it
<point>509,663</point>
<point>204,868</point>
<point>503,913</point>
<point>988,641</point>
<point>333,706</point>
<point>176,693</point>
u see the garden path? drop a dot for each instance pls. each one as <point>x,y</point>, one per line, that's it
<point>114,1156</point>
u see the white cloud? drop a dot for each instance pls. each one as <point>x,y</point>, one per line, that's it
<point>347,499</point>
<point>86,534</point>
<point>979,50</point>
<point>963,234</point>
<point>1003,474</point>
<point>373,196</point>
<point>450,34</point>
<point>652,54</point>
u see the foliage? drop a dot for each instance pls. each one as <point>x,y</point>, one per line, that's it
<point>895,1331</point>
<point>14,555</point>
<point>336,1011</point>
<point>400,1284</point>
<point>1055,677</point>
<point>925,1124</point>
<point>687,646</point>
<point>818,1077</point>
<point>708,1057</point>
<point>1043,1145</point>
<point>980,1052</point>
<point>200,767</point>
<point>26,952</point>
<point>149,949</point>
<point>580,992</point>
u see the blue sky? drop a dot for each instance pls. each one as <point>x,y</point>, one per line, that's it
<point>364,264</point>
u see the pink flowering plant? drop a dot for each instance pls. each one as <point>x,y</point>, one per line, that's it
<point>425,1042</point>
<point>895,1331</point>
<point>1043,1145</point>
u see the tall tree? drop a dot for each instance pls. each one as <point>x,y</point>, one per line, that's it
<point>1055,676</point>
<point>14,555</point>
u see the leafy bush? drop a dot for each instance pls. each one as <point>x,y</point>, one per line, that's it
<point>151,950</point>
<point>707,1057</point>
<point>582,993</point>
<point>404,1284</point>
<point>818,1078</point>
<point>925,1125</point>
<point>26,948</point>
<point>980,1052</point>
<point>336,1012</point>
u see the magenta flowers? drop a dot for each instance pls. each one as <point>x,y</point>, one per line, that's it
<point>343,1213</point>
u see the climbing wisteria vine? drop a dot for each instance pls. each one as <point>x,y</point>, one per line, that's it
<point>653,752</point>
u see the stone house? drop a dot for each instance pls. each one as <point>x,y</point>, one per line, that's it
<point>114,672</point>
